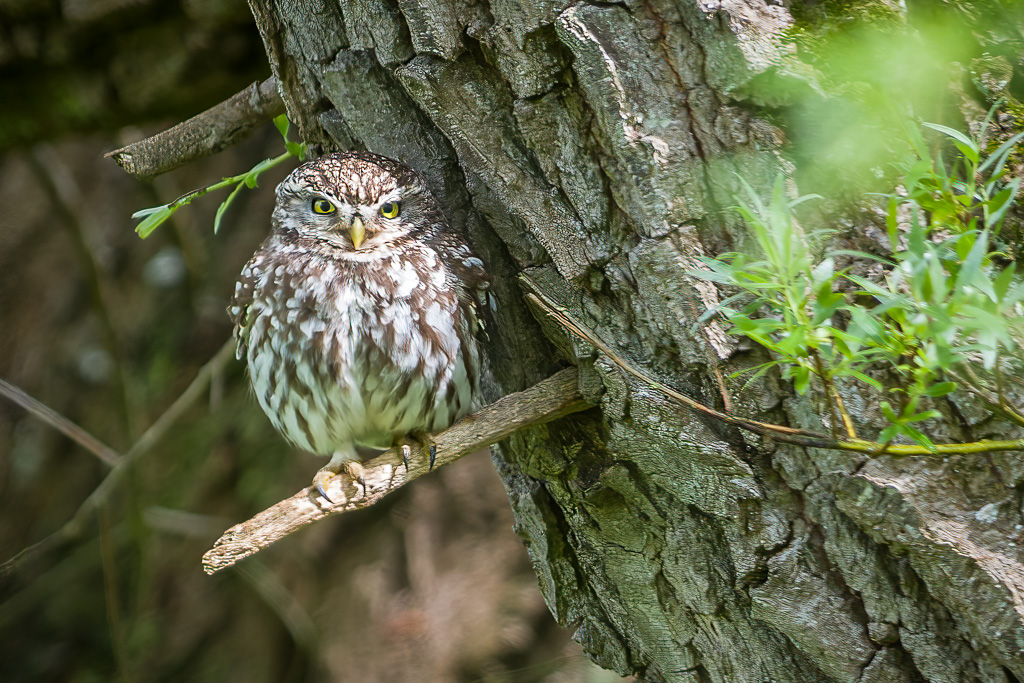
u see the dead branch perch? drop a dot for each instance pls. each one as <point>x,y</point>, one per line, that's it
<point>219,127</point>
<point>547,400</point>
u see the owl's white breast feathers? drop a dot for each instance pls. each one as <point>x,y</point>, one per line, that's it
<point>367,352</point>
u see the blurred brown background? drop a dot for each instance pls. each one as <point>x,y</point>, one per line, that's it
<point>108,330</point>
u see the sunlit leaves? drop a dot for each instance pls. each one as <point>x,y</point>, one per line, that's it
<point>948,298</point>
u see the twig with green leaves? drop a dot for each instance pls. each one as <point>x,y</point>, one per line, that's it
<point>948,301</point>
<point>154,216</point>
<point>782,433</point>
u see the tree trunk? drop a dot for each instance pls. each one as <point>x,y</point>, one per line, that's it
<point>588,150</point>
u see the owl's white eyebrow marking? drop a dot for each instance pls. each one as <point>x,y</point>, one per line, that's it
<point>392,196</point>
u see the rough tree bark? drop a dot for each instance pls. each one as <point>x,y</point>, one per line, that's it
<point>589,147</point>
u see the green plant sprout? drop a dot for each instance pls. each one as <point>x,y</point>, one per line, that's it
<point>945,316</point>
<point>154,216</point>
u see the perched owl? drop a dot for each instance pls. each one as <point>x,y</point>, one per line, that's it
<point>358,315</point>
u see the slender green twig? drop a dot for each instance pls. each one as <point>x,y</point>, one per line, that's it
<point>851,431</point>
<point>154,216</point>
<point>830,393</point>
<point>800,437</point>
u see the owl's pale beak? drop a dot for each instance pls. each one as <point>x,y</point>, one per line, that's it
<point>357,232</point>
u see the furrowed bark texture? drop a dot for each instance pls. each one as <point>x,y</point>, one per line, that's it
<point>591,147</point>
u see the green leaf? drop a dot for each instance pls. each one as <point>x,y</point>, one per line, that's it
<point>917,436</point>
<point>915,173</point>
<point>823,271</point>
<point>1003,200</point>
<point>142,213</point>
<point>801,378</point>
<point>1003,280</point>
<point>963,244</point>
<point>971,273</point>
<point>917,142</point>
<point>888,412</point>
<point>757,370</point>
<point>940,389</point>
<point>282,123</point>
<point>826,303</point>
<point>153,220</point>
<point>720,306</point>
<point>861,254</point>
<point>720,273</point>
<point>888,434</point>
<point>967,146</point>
<point>998,158</point>
<point>224,207</point>
<point>795,343</point>
<point>870,381</point>
<point>744,323</point>
<point>922,416</point>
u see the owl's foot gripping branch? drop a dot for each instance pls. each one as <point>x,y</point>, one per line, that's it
<point>547,400</point>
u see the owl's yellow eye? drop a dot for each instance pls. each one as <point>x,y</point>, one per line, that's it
<point>390,209</point>
<point>322,206</point>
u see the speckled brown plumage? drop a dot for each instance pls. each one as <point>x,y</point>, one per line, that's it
<point>357,328</point>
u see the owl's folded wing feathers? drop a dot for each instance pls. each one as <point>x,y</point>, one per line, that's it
<point>238,309</point>
<point>471,281</point>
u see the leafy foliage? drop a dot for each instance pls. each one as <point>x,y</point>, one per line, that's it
<point>948,300</point>
<point>156,215</point>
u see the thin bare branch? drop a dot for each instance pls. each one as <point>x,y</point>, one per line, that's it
<point>219,127</point>
<point>60,423</point>
<point>75,527</point>
<point>289,609</point>
<point>997,404</point>
<point>547,400</point>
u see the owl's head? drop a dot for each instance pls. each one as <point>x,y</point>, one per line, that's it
<point>357,201</point>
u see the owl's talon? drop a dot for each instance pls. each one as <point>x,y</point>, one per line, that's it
<point>356,471</point>
<point>320,481</point>
<point>332,469</point>
<point>426,442</point>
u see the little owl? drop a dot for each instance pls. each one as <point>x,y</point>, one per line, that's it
<point>357,316</point>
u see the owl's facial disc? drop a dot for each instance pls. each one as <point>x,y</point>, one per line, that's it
<point>358,225</point>
<point>359,222</point>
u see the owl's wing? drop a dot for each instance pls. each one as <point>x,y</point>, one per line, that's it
<point>238,309</point>
<point>471,282</point>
